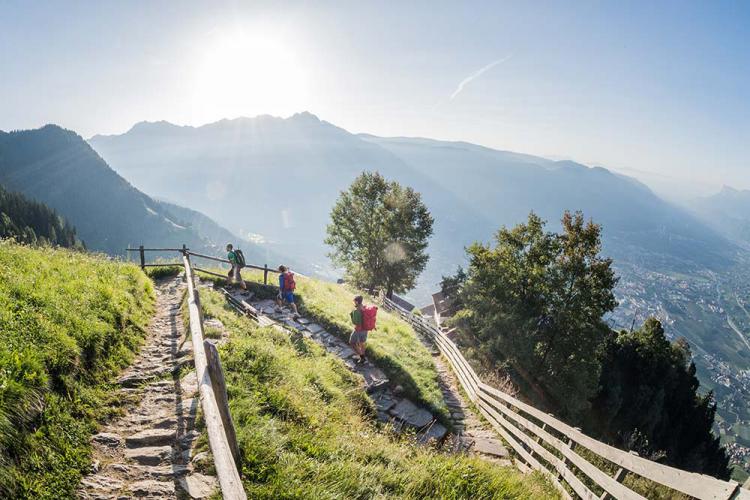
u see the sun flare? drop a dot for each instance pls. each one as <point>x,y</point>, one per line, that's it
<point>246,75</point>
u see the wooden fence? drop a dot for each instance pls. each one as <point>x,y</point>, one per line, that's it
<point>573,461</point>
<point>213,396</point>
<point>186,251</point>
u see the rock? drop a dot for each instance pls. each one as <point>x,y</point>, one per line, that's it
<point>187,439</point>
<point>164,423</point>
<point>436,432</point>
<point>384,402</point>
<point>489,447</point>
<point>107,439</point>
<point>411,414</point>
<point>202,458</point>
<point>149,455</point>
<point>199,486</point>
<point>95,466</point>
<point>102,483</point>
<point>398,390</point>
<point>132,380</point>
<point>150,487</point>
<point>186,349</point>
<point>346,352</point>
<point>151,437</point>
<point>314,328</point>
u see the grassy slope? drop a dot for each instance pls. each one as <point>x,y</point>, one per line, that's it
<point>394,346</point>
<point>305,427</point>
<point>68,322</point>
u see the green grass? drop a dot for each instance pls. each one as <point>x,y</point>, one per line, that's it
<point>163,271</point>
<point>393,346</point>
<point>68,322</point>
<point>306,429</point>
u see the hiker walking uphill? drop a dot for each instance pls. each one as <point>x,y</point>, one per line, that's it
<point>287,285</point>
<point>363,318</point>
<point>237,259</point>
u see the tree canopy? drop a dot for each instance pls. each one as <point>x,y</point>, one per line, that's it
<point>533,305</point>
<point>34,223</point>
<point>379,233</point>
<point>536,301</point>
<point>648,401</point>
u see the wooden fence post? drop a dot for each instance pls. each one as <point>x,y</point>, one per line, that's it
<point>222,401</point>
<point>143,257</point>
<point>265,274</point>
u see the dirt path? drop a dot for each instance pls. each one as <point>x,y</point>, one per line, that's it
<point>148,452</point>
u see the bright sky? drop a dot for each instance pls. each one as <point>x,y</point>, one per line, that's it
<point>658,87</point>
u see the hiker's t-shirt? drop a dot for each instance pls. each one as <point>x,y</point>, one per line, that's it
<point>357,318</point>
<point>231,257</point>
<point>281,282</point>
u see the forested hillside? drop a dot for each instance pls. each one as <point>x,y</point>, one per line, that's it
<point>33,223</point>
<point>58,168</point>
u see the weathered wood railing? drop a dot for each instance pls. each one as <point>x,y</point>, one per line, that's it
<point>213,397</point>
<point>554,448</point>
<point>184,250</point>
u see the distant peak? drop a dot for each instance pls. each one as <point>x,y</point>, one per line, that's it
<point>150,126</point>
<point>305,116</point>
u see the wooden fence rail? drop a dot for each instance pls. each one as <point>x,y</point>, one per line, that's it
<point>142,256</point>
<point>554,448</point>
<point>218,421</point>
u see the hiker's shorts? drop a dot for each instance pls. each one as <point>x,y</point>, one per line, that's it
<point>288,297</point>
<point>234,274</point>
<point>358,337</point>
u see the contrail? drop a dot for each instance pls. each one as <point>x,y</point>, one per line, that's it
<point>476,75</point>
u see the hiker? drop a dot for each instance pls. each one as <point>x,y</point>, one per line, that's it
<point>287,286</point>
<point>237,259</point>
<point>363,318</point>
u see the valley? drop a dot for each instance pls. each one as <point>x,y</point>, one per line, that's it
<point>707,310</point>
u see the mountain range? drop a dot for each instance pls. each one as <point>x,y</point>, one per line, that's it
<point>278,178</point>
<point>57,167</point>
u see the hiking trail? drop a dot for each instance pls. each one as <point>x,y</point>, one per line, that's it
<point>149,451</point>
<point>470,434</point>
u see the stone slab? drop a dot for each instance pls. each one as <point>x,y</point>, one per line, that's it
<point>489,447</point>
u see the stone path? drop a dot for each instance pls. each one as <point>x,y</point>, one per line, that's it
<point>149,451</point>
<point>471,434</point>
<point>392,406</point>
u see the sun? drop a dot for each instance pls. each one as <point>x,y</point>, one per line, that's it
<point>243,74</point>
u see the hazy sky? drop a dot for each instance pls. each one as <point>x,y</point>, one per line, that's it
<point>658,87</point>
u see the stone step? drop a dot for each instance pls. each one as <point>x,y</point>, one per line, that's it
<point>150,455</point>
<point>151,437</point>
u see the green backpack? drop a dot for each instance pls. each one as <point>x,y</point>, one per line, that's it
<point>240,258</point>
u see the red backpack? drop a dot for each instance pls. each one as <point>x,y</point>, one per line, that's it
<point>369,314</point>
<point>289,284</point>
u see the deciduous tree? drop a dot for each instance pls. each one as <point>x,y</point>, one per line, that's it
<point>379,232</point>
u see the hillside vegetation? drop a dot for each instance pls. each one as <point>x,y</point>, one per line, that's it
<point>394,346</point>
<point>30,222</point>
<point>68,322</point>
<point>57,167</point>
<point>306,429</point>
